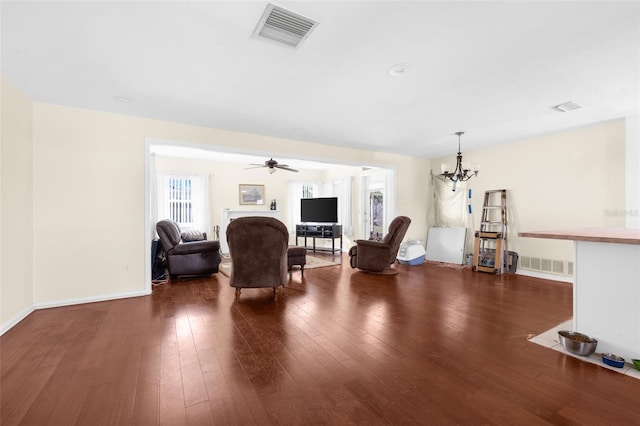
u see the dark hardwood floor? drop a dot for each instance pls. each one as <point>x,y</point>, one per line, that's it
<point>432,345</point>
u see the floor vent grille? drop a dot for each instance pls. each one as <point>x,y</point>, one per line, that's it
<point>551,266</point>
<point>535,263</point>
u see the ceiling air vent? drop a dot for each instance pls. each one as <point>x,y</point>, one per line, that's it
<point>284,26</point>
<point>568,106</point>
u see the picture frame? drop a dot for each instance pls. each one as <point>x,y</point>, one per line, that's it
<point>251,194</point>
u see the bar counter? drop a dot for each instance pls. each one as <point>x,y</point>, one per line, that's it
<point>606,286</point>
<point>597,235</point>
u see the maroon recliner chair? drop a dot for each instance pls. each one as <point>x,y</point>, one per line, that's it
<point>187,258</point>
<point>377,256</point>
<point>258,248</point>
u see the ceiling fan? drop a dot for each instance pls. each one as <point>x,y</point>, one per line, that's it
<point>272,165</point>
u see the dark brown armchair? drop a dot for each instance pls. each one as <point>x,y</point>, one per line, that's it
<point>258,249</point>
<point>377,256</point>
<point>187,258</point>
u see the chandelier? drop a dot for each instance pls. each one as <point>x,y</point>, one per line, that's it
<point>462,172</point>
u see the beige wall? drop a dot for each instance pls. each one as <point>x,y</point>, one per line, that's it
<point>89,194</point>
<point>559,181</point>
<point>16,228</point>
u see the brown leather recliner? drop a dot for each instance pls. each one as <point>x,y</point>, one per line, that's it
<point>258,248</point>
<point>187,258</point>
<point>376,256</point>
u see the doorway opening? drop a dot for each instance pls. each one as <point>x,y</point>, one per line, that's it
<point>376,209</point>
<point>378,203</point>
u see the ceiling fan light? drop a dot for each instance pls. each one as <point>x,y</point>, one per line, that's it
<point>272,170</point>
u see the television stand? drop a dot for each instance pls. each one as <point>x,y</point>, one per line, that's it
<point>320,231</point>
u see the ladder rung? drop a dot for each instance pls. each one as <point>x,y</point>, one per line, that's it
<point>486,269</point>
<point>492,207</point>
<point>493,191</point>
<point>492,235</point>
<point>492,222</point>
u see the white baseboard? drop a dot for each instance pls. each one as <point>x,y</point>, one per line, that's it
<point>67,302</point>
<point>92,299</point>
<point>16,319</point>
<point>544,275</point>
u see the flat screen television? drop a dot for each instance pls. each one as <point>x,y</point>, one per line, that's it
<point>319,210</point>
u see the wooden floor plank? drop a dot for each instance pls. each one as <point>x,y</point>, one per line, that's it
<point>431,345</point>
<point>199,414</point>
<point>146,400</point>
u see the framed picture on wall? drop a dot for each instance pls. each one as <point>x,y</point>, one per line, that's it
<point>251,194</point>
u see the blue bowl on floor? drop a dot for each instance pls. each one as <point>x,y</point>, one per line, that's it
<point>613,360</point>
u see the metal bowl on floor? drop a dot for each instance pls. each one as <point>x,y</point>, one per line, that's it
<point>613,360</point>
<point>577,343</point>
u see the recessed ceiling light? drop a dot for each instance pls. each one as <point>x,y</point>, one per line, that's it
<point>398,70</point>
<point>124,99</point>
<point>568,106</point>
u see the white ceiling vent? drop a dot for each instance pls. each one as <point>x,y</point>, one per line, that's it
<point>284,26</point>
<point>568,106</point>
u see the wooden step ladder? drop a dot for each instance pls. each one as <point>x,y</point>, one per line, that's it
<point>490,245</point>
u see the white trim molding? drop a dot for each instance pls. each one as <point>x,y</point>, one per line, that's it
<point>93,299</point>
<point>16,319</point>
<point>67,302</point>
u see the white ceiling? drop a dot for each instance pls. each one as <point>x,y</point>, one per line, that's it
<point>491,69</point>
<point>177,150</point>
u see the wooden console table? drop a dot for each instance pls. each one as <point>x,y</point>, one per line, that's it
<point>606,287</point>
<point>320,231</point>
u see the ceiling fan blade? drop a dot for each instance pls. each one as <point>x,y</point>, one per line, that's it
<point>272,164</point>
<point>285,167</point>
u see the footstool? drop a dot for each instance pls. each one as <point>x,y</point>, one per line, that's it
<point>296,256</point>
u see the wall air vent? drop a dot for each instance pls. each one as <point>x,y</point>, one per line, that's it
<point>568,106</point>
<point>284,26</point>
<point>558,267</point>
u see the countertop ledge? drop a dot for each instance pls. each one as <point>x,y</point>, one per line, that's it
<point>599,235</point>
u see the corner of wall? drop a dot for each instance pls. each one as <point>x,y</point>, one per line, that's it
<point>16,199</point>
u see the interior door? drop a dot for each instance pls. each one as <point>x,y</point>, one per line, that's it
<point>374,205</point>
<point>376,213</point>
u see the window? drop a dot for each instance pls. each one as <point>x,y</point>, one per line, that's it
<point>184,199</point>
<point>307,190</point>
<point>181,201</point>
